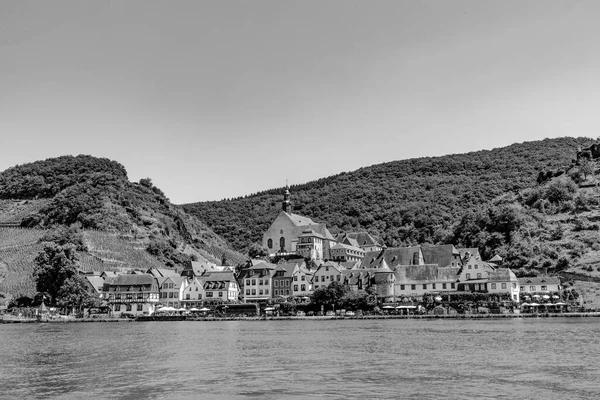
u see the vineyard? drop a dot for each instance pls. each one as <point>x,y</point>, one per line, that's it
<point>19,263</point>
<point>116,252</point>
<point>13,237</point>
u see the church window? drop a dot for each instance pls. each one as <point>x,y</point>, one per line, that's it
<point>282,243</point>
<point>270,243</point>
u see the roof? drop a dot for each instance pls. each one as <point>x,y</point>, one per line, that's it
<point>471,251</point>
<point>287,268</point>
<point>310,233</point>
<point>331,264</point>
<point>133,280</point>
<point>393,256</point>
<point>350,264</point>
<point>299,220</point>
<point>96,282</point>
<point>109,274</point>
<point>352,277</point>
<point>426,273</point>
<point>160,272</point>
<point>441,255</point>
<point>263,265</point>
<point>502,275</point>
<point>219,276</point>
<point>342,246</point>
<point>496,258</point>
<point>361,238</point>
<point>539,280</point>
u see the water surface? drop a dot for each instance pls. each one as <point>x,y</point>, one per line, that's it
<point>333,359</point>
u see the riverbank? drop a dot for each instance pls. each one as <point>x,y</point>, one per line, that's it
<point>293,318</point>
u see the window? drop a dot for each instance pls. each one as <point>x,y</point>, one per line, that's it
<point>276,283</point>
<point>402,287</point>
<point>287,292</point>
<point>514,285</point>
<point>253,282</point>
<point>478,276</point>
<point>295,288</point>
<point>338,278</point>
<point>332,278</point>
<point>443,286</point>
<point>247,292</point>
<point>260,292</point>
<point>453,285</point>
<point>117,307</point>
<point>247,282</point>
<point>118,296</point>
<point>220,294</point>
<point>282,243</point>
<point>476,267</point>
<point>266,281</point>
<point>209,294</point>
<point>433,285</point>
<point>270,243</point>
<point>260,281</point>
<point>493,286</point>
<point>296,278</point>
<point>532,288</point>
<point>303,278</point>
<point>322,278</point>
<point>253,292</point>
<point>544,288</point>
<point>413,287</point>
<point>266,291</point>
<point>140,307</point>
<point>504,286</point>
<point>128,307</point>
<point>303,288</point>
<point>468,276</point>
<point>522,288</point>
<point>326,269</point>
<point>425,286</point>
<point>187,296</point>
<point>470,266</point>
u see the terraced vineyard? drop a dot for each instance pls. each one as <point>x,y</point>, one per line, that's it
<point>116,252</point>
<point>19,263</point>
<point>13,237</point>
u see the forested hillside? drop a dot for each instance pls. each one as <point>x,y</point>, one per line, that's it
<point>403,202</point>
<point>124,224</point>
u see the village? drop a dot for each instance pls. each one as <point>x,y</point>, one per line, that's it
<point>306,258</point>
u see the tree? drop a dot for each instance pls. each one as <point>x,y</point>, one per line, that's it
<point>56,275</point>
<point>332,295</point>
<point>256,251</point>
<point>586,168</point>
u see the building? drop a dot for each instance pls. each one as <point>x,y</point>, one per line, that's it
<point>444,255</point>
<point>327,273</point>
<point>135,294</point>
<point>417,280</point>
<point>193,294</point>
<point>359,239</point>
<point>394,257</point>
<point>171,289</point>
<point>282,236</point>
<point>344,252</point>
<point>302,278</point>
<point>194,269</point>
<point>310,245</point>
<point>220,287</point>
<point>283,279</point>
<point>539,285</point>
<point>94,285</point>
<point>255,282</point>
<point>503,280</point>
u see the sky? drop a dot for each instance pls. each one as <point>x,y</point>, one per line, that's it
<point>220,99</point>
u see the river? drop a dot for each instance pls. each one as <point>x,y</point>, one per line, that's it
<point>542,358</point>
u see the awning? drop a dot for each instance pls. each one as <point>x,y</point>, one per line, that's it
<point>406,307</point>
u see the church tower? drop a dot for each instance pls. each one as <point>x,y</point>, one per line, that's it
<point>286,205</point>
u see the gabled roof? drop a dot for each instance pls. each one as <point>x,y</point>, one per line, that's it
<point>96,282</point>
<point>310,233</point>
<point>263,265</point>
<point>393,256</point>
<point>133,280</point>
<point>502,275</point>
<point>363,239</point>
<point>219,276</point>
<point>350,264</point>
<point>287,268</point>
<point>299,220</point>
<point>471,251</point>
<point>442,254</point>
<point>160,272</point>
<point>109,274</point>
<point>495,259</point>
<point>337,266</point>
<point>539,280</point>
<point>342,246</point>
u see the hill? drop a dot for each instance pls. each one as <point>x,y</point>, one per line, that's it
<point>123,224</point>
<point>402,202</point>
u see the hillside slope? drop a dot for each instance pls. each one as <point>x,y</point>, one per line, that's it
<point>402,202</point>
<point>125,224</point>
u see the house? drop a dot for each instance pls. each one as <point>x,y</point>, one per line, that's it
<point>473,267</point>
<point>310,245</point>
<point>94,285</point>
<point>220,287</point>
<point>161,272</point>
<point>344,252</point>
<point>255,282</point>
<point>283,278</point>
<point>193,294</point>
<point>171,289</point>
<point>283,234</point>
<point>327,273</point>
<point>503,280</point>
<point>302,278</point>
<point>539,284</point>
<point>394,257</point>
<point>193,269</point>
<point>359,239</point>
<point>417,280</point>
<point>444,255</point>
<point>136,294</point>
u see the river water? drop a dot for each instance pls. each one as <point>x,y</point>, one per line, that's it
<point>544,358</point>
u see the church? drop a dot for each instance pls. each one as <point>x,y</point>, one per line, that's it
<point>294,234</point>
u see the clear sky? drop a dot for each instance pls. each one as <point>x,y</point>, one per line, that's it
<point>216,99</point>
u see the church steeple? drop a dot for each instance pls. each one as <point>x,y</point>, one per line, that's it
<point>286,205</point>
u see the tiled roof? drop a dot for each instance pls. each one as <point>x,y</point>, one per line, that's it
<point>441,255</point>
<point>393,256</point>
<point>362,238</point>
<point>299,220</point>
<point>95,281</point>
<point>502,275</point>
<point>539,280</point>
<point>133,279</point>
